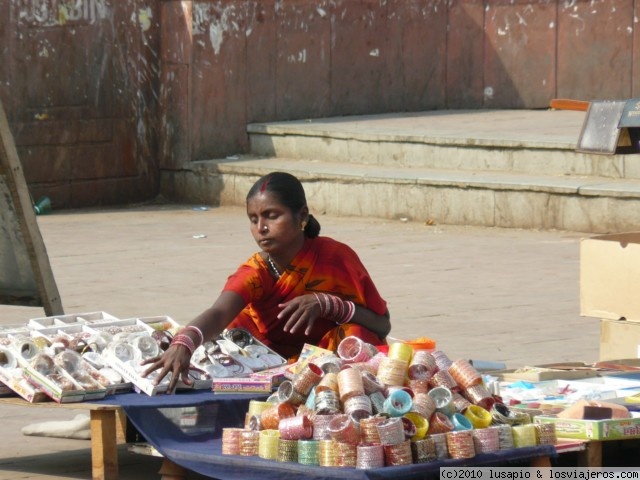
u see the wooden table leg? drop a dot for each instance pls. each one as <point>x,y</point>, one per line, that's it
<point>539,462</point>
<point>171,471</point>
<point>104,452</point>
<point>591,456</point>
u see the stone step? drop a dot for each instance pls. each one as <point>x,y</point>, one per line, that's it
<point>461,197</point>
<point>502,168</point>
<point>533,142</point>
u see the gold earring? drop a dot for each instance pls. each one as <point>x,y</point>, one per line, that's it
<point>304,224</point>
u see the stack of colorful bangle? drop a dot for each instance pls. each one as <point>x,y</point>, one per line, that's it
<point>375,419</point>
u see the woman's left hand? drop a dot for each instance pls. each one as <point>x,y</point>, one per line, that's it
<point>301,312</point>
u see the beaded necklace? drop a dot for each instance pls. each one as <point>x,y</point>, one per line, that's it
<point>273,267</point>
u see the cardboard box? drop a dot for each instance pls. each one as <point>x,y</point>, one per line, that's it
<point>622,429</point>
<point>14,380</point>
<point>241,385</point>
<point>541,373</point>
<point>275,375</point>
<point>130,374</point>
<point>609,272</point>
<point>309,354</point>
<point>619,339</point>
<point>71,319</point>
<point>53,390</point>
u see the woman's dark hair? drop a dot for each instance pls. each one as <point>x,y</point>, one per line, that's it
<point>290,193</point>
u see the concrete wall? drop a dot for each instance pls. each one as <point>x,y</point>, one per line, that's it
<point>103,94</point>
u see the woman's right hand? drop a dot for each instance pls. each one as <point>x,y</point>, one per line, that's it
<point>174,361</point>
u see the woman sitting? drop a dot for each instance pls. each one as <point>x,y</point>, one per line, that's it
<point>299,288</point>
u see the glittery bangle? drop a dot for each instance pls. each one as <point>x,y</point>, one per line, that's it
<point>546,433</point>
<point>460,403</point>
<point>329,382</point>
<point>377,402</point>
<point>321,426</point>
<point>185,341</point>
<point>424,405</point>
<point>486,440</point>
<point>371,383</point>
<point>392,371</point>
<point>439,423</point>
<point>443,378</point>
<point>358,406</point>
<point>231,441</point>
<point>249,442</point>
<point>349,383</point>
<point>442,360</point>
<point>440,441</point>
<point>307,378</point>
<point>369,429</point>
<point>197,331</point>
<point>369,456</point>
<point>295,428</point>
<point>524,435</point>
<point>352,350</point>
<point>464,374</point>
<point>460,444</point>
<point>270,418</point>
<point>460,422</point>
<point>421,424</point>
<point>505,436</point>
<point>424,450</point>
<point>343,430</point>
<point>333,307</point>
<point>443,398</point>
<point>420,386</point>
<point>478,416</point>
<point>397,403</point>
<point>391,431</point>
<point>398,454</point>
<point>287,450</point>
<point>424,359</point>
<point>268,444</point>
<point>347,454</point>
<point>327,454</point>
<point>308,452</point>
<point>400,351</point>
<point>256,407</point>
<point>327,403</point>
<point>500,414</point>
<point>286,393</point>
<point>479,395</point>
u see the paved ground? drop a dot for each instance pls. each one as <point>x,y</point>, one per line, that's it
<point>502,295</point>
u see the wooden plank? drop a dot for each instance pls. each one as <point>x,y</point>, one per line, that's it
<point>591,456</point>
<point>104,451</point>
<point>568,104</point>
<point>25,263</point>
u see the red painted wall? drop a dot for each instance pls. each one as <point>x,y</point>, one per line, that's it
<point>102,97</point>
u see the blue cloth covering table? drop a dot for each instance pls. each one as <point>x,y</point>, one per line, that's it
<point>201,452</point>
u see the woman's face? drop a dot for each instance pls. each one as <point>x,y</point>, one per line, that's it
<point>275,228</point>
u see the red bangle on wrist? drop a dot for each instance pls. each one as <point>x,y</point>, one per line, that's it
<point>334,308</point>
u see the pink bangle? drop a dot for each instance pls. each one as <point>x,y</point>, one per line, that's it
<point>333,307</point>
<point>350,311</point>
<point>198,332</point>
<point>185,341</point>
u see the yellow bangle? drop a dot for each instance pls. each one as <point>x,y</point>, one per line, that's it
<point>421,423</point>
<point>478,416</point>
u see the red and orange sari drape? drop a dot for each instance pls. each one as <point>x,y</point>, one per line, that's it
<point>322,265</point>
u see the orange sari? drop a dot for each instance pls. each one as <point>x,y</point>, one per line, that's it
<point>322,265</point>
